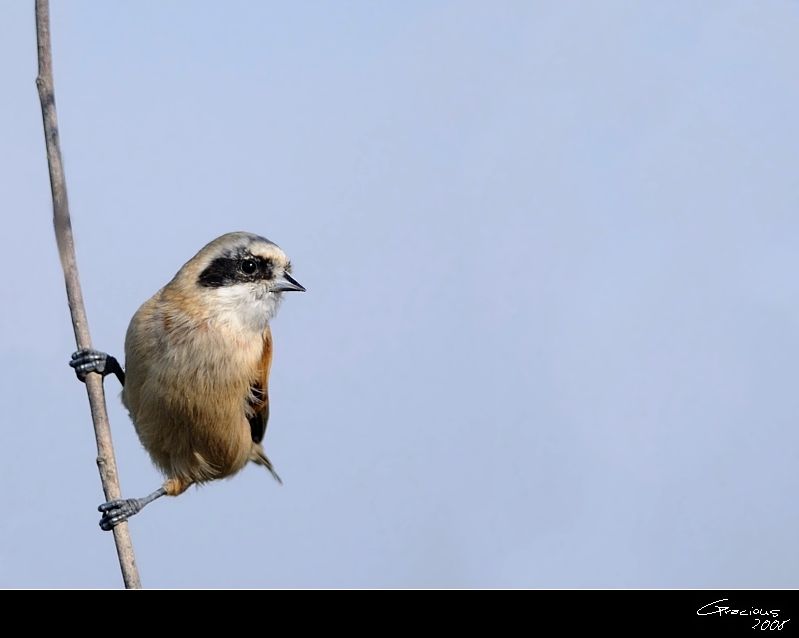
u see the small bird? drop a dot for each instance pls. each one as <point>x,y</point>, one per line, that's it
<point>197,357</point>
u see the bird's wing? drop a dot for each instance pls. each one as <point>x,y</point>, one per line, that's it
<point>259,392</point>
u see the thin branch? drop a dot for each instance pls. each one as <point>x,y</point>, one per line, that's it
<point>106,462</point>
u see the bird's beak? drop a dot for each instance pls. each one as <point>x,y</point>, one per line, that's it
<point>287,283</point>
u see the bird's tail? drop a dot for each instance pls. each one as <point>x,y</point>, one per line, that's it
<point>259,457</point>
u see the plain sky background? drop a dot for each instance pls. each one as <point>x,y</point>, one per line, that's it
<point>551,333</point>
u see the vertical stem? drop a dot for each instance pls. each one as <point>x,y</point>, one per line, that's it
<point>106,462</point>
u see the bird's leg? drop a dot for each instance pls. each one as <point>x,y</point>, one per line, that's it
<point>116,512</point>
<point>86,360</point>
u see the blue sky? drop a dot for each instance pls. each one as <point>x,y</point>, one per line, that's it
<point>550,334</point>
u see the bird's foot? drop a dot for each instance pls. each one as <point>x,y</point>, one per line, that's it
<point>118,511</point>
<point>87,360</point>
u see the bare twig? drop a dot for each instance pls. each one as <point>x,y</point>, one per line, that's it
<point>106,462</point>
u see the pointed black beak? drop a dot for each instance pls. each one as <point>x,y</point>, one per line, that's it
<point>287,283</point>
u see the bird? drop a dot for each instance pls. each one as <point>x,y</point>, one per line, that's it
<point>197,359</point>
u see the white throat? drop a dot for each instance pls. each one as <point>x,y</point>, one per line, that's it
<point>248,307</point>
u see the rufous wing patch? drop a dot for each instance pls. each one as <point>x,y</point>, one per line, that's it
<point>259,392</point>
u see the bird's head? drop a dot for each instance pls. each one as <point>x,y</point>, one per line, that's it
<point>239,277</point>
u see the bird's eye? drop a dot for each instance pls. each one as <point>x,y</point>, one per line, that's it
<point>249,267</point>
